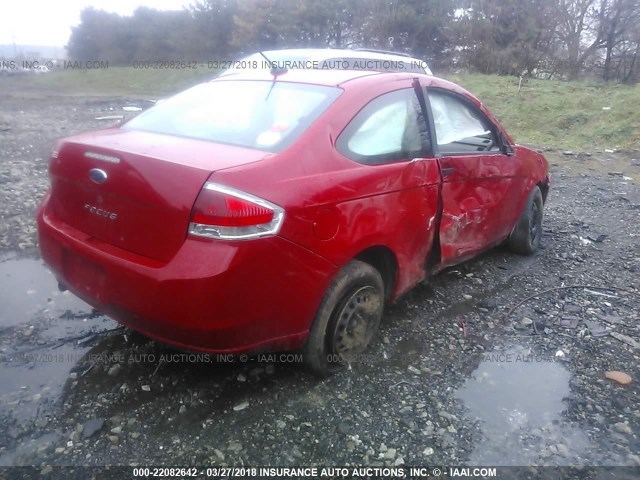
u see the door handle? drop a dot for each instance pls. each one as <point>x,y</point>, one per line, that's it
<point>447,171</point>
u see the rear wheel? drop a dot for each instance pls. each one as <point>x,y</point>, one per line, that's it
<point>347,320</point>
<point>525,238</point>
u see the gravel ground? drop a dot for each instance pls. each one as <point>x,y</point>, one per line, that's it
<point>458,376</point>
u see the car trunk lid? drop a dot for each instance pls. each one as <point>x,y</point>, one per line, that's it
<point>135,190</point>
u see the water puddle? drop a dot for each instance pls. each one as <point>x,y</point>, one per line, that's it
<point>41,332</point>
<point>517,399</point>
<point>23,453</point>
<point>29,288</point>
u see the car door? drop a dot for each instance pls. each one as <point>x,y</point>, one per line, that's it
<point>478,179</point>
<point>397,192</point>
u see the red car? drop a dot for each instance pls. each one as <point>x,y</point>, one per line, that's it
<point>270,212</point>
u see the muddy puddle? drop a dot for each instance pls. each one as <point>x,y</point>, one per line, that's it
<point>43,334</point>
<point>516,398</point>
<point>29,289</point>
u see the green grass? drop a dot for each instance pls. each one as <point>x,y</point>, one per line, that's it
<point>125,81</point>
<point>566,115</point>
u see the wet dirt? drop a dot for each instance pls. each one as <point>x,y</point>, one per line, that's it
<point>450,381</point>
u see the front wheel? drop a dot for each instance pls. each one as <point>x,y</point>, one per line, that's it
<point>525,238</point>
<point>347,320</point>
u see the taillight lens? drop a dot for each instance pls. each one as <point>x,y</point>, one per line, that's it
<point>229,214</point>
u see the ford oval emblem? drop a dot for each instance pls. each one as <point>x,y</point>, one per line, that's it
<point>98,175</point>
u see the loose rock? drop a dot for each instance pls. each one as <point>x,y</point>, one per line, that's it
<point>622,428</point>
<point>619,377</point>
<point>92,426</point>
<point>241,406</point>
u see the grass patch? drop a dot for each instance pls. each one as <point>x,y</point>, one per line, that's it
<point>571,115</point>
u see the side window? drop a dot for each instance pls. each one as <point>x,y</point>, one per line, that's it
<point>459,127</point>
<point>387,129</point>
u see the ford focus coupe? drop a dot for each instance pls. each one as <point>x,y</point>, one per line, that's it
<point>262,212</point>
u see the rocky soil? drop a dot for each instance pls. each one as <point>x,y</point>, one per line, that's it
<point>461,374</point>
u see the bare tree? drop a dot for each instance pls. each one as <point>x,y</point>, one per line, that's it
<point>620,21</point>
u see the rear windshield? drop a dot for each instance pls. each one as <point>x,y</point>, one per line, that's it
<point>264,115</point>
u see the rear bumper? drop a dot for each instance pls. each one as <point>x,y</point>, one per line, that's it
<point>214,296</point>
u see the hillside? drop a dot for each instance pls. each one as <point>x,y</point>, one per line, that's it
<point>572,115</point>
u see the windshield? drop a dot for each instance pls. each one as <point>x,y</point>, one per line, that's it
<point>264,115</point>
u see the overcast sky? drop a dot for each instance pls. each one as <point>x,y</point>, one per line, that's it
<point>49,22</point>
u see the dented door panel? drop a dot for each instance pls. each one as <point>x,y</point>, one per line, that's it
<point>480,194</point>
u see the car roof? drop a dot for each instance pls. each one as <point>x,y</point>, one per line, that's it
<point>339,78</point>
<point>330,78</point>
<point>327,54</point>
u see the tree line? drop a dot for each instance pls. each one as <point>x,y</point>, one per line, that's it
<point>545,38</point>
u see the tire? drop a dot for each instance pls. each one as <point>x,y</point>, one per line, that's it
<point>347,319</point>
<point>526,235</point>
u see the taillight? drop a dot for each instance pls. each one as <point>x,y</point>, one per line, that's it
<point>229,214</point>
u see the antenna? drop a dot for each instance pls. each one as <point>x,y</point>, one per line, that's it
<point>275,70</point>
